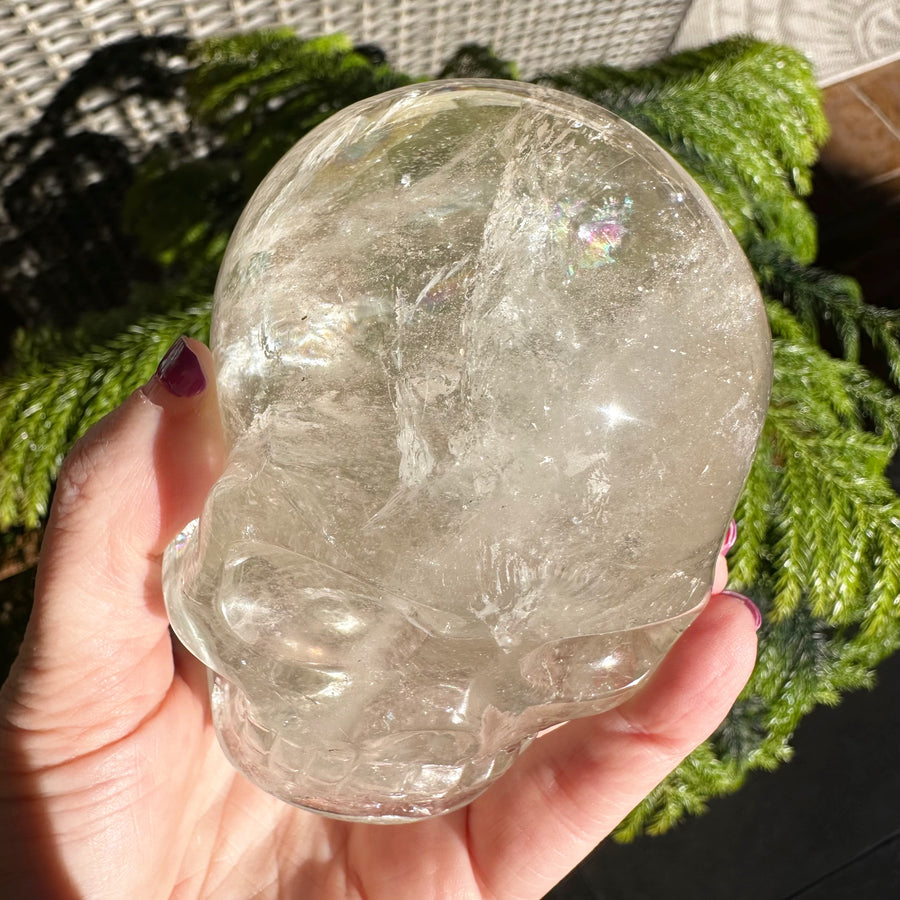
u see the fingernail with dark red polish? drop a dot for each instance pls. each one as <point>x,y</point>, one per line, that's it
<point>730,537</point>
<point>180,371</point>
<point>754,609</point>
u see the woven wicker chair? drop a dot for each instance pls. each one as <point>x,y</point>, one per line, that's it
<point>43,41</point>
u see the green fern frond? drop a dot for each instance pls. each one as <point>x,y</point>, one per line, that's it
<point>816,296</point>
<point>228,68</point>
<point>44,411</point>
<point>261,93</point>
<point>748,78</point>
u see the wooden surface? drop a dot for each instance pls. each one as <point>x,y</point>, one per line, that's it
<point>857,192</point>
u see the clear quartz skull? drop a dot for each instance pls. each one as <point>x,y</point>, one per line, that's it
<point>492,371</point>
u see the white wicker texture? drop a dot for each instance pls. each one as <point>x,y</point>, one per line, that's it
<point>43,41</point>
<point>840,37</point>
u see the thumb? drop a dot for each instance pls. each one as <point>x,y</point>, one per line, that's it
<point>125,490</point>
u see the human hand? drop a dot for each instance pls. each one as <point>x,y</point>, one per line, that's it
<point>112,783</point>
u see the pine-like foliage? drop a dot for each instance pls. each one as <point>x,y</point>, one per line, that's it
<point>819,545</point>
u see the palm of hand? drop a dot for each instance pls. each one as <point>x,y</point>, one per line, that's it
<point>184,823</point>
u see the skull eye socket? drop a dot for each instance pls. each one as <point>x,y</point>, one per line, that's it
<point>292,608</point>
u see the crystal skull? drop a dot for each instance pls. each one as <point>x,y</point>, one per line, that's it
<point>492,371</point>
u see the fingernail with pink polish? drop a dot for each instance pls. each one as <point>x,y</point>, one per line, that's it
<point>754,609</point>
<point>180,371</point>
<point>730,537</point>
